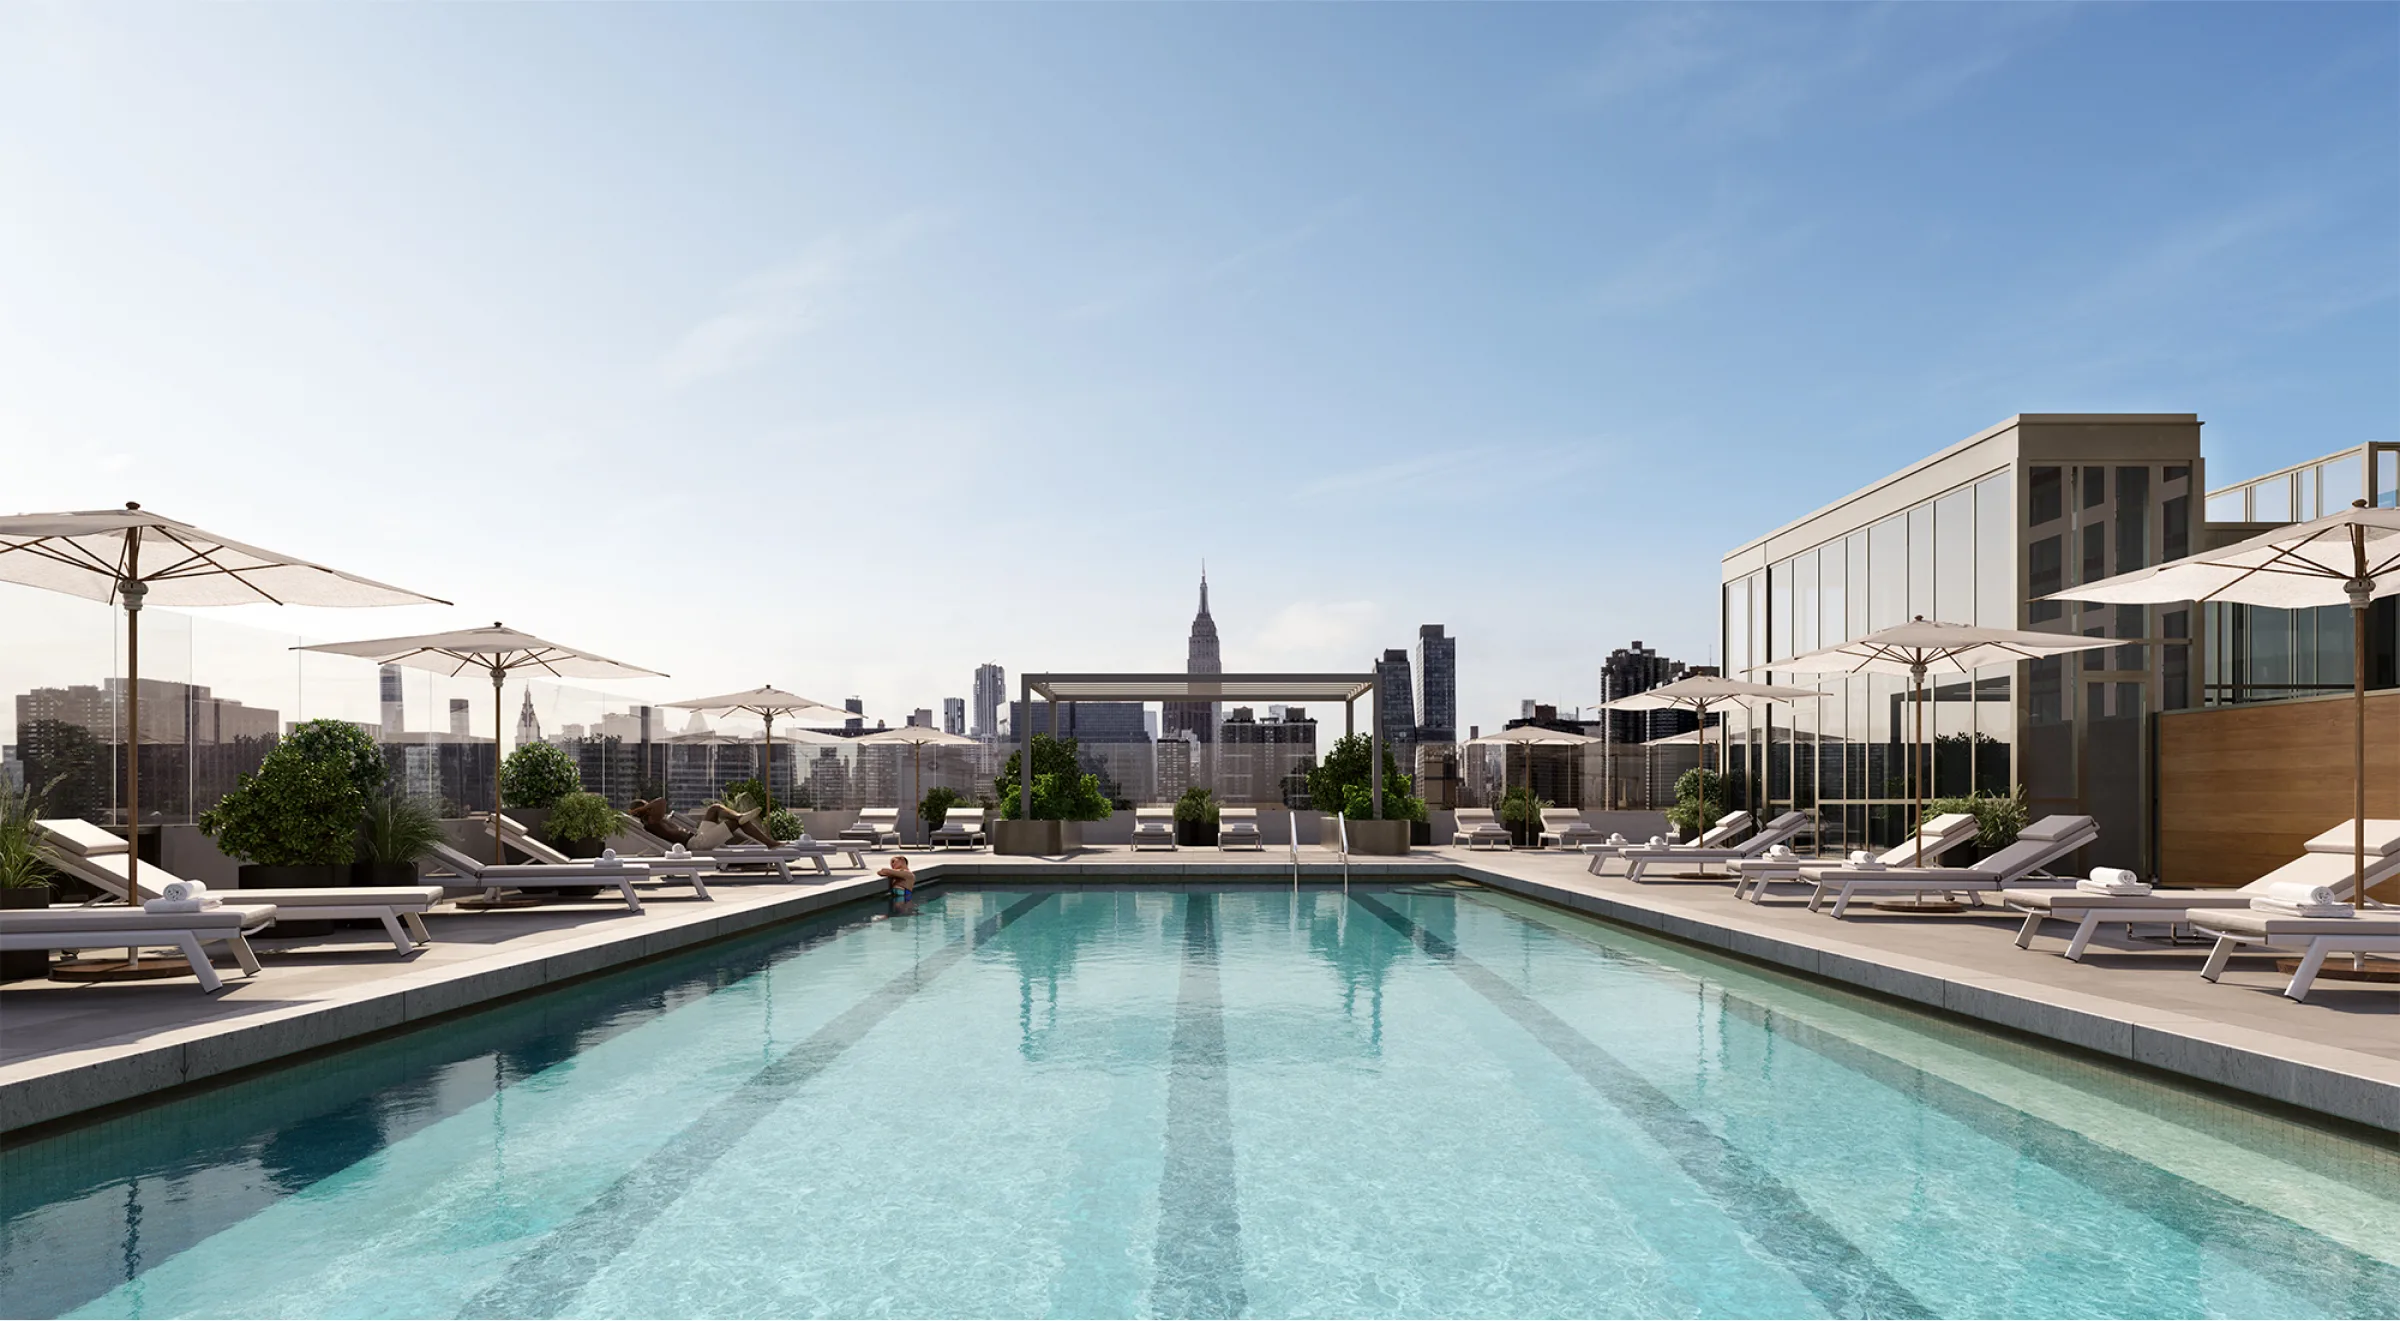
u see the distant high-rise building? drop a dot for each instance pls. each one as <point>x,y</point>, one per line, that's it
<point>954,715</point>
<point>1437,685</point>
<point>1265,761</point>
<point>1200,656</point>
<point>387,683</point>
<point>991,691</point>
<point>857,722</point>
<point>921,718</point>
<point>1638,669</point>
<point>1395,703</point>
<point>458,715</point>
<point>529,726</point>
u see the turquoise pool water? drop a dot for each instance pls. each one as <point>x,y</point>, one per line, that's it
<point>1422,1101</point>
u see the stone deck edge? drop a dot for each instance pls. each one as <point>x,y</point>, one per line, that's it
<point>2339,1083</point>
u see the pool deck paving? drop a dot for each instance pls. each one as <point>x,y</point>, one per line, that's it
<point>69,1048</point>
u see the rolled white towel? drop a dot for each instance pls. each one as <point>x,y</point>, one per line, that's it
<point>180,891</point>
<point>1781,852</point>
<point>1658,841</point>
<point>1860,857</point>
<point>674,851</point>
<point>608,860</point>
<point>2114,876</point>
<point>1615,838</point>
<point>2282,909</point>
<point>2112,887</point>
<point>2297,894</point>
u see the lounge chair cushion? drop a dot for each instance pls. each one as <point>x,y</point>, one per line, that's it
<point>2380,923</point>
<point>81,837</point>
<point>362,896</point>
<point>2383,839</point>
<point>77,921</point>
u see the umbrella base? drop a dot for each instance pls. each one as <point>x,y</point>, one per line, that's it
<point>2341,971</point>
<point>119,970</point>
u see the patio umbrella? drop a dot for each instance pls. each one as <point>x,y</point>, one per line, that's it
<point>766,702</point>
<point>2351,557</point>
<point>1924,645</point>
<point>136,558</point>
<point>917,736</point>
<point>1527,737</point>
<point>501,651</point>
<point>1700,692</point>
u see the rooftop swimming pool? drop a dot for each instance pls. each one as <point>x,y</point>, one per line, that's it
<point>1429,1100</point>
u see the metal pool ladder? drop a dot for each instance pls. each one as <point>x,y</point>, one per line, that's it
<point>1341,825</point>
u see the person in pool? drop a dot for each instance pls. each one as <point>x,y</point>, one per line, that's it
<point>903,881</point>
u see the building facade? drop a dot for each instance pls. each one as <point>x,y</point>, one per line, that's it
<point>1395,705</point>
<point>1200,656</point>
<point>1437,685</point>
<point>991,693</point>
<point>954,715</point>
<point>1266,761</point>
<point>2255,654</point>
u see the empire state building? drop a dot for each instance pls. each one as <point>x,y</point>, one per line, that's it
<point>1200,657</point>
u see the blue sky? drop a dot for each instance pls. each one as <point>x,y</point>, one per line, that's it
<point>824,319</point>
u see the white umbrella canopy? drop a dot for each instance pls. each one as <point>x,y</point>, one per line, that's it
<point>766,702</point>
<point>2347,558</point>
<point>917,737</point>
<point>1698,692</point>
<point>132,557</point>
<point>1527,737</point>
<point>1922,646</point>
<point>501,651</point>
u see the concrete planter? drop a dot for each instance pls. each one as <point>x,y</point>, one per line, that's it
<point>1196,834</point>
<point>1036,838</point>
<point>1376,839</point>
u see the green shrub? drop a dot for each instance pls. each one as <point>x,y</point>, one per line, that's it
<point>1521,807</point>
<point>783,823</point>
<point>1062,789</point>
<point>305,803</point>
<point>1700,798</point>
<point>1197,805</point>
<point>399,828</point>
<point>21,866</point>
<point>1344,783</point>
<point>537,775</point>
<point>753,790</point>
<point>1998,820</point>
<point>936,807</point>
<point>580,818</point>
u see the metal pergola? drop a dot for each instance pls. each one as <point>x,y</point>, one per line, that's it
<point>1068,689</point>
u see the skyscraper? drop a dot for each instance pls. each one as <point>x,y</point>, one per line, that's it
<point>991,691</point>
<point>954,715</point>
<point>458,715</point>
<point>1200,657</point>
<point>1437,685</point>
<point>387,683</point>
<point>1395,703</point>
<point>529,728</point>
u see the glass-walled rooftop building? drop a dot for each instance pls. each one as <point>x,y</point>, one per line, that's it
<point>1977,533</point>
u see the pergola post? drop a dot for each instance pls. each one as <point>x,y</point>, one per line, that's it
<point>1375,731</point>
<point>1025,750</point>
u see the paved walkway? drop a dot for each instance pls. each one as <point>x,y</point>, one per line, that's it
<point>67,1048</point>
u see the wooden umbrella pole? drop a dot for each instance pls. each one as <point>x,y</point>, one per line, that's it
<point>1916,674</point>
<point>499,854</point>
<point>2360,588</point>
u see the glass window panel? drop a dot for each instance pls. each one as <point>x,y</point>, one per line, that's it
<point>2045,573</point>
<point>2045,498</point>
<point>2095,486</point>
<point>2387,478</point>
<point>2175,528</point>
<point>2131,621</point>
<point>2230,506</point>
<point>2095,552</point>
<point>1995,555</point>
<point>2133,519</point>
<point>2335,657</point>
<point>2177,472</point>
<point>1737,625</point>
<point>1758,623</point>
<point>1804,603</point>
<point>1779,611</point>
<point>2304,507</point>
<point>2268,635</point>
<point>2342,478</point>
<point>1855,551</point>
<point>1887,573</point>
<point>2175,663</point>
<point>1954,557</point>
<point>1833,607</point>
<point>2271,501</point>
<point>2097,657</point>
<point>1920,561</point>
<point>1858,724</point>
<point>1995,730</point>
<point>1885,694</point>
<point>1951,723</point>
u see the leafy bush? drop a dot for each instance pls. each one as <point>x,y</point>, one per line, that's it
<point>1998,820</point>
<point>21,867</point>
<point>753,789</point>
<point>537,775</point>
<point>1062,789</point>
<point>581,818</point>
<point>1700,798</point>
<point>1197,805</point>
<point>936,807</point>
<point>305,804</point>
<point>1520,807</point>
<point>783,823</point>
<point>399,828</point>
<point>1344,782</point>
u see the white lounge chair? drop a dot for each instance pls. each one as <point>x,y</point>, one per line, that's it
<point>689,867</point>
<point>962,827</point>
<point>1725,831</point>
<point>1777,831</point>
<point>116,926</point>
<point>1154,827</point>
<point>1937,837</point>
<point>874,826</point>
<point>477,875</point>
<point>1478,829</point>
<point>2044,842</point>
<point>2375,931</point>
<point>1565,827</point>
<point>642,846</point>
<point>2324,863</point>
<point>100,859</point>
<point>1237,828</point>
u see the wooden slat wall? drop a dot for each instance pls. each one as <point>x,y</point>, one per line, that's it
<point>2241,788</point>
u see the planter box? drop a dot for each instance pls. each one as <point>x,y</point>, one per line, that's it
<point>1037,838</point>
<point>1196,834</point>
<point>372,874</point>
<point>20,964</point>
<point>1375,839</point>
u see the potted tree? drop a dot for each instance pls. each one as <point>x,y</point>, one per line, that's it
<point>580,825</point>
<point>1344,782</point>
<point>398,830</point>
<point>294,824</point>
<point>1064,795</point>
<point>1521,812</point>
<point>1700,798</point>
<point>936,808</point>
<point>24,877</point>
<point>1196,816</point>
<point>533,779</point>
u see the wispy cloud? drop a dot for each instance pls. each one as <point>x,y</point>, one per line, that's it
<point>1165,278</point>
<point>790,298</point>
<point>1430,473</point>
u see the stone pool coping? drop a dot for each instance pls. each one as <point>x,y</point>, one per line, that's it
<point>2325,1079</point>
